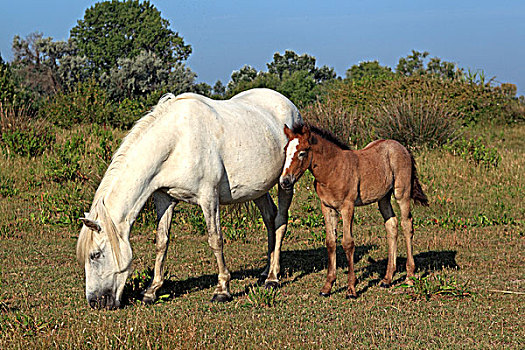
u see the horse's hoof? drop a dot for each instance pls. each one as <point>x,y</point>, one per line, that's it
<point>148,299</point>
<point>221,298</point>
<point>351,296</point>
<point>271,285</point>
<point>385,285</point>
<point>324,295</point>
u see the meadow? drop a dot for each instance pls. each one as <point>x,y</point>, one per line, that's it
<point>468,245</point>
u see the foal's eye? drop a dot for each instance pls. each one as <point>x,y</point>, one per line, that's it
<point>94,255</point>
<point>302,154</point>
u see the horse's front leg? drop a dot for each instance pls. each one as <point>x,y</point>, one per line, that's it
<point>331,217</point>
<point>349,248</point>
<point>268,211</point>
<point>164,206</point>
<point>281,224</point>
<point>210,209</point>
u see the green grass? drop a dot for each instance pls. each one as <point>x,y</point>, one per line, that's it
<point>469,240</point>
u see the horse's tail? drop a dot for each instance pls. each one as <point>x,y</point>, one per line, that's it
<point>416,192</point>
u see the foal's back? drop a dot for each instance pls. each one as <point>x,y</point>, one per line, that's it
<point>382,166</point>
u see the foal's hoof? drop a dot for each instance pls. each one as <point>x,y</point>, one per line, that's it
<point>271,285</point>
<point>385,285</point>
<point>221,298</point>
<point>324,295</point>
<point>351,296</point>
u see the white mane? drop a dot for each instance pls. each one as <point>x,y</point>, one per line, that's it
<point>138,130</point>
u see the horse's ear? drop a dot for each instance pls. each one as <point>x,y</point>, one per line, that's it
<point>312,140</point>
<point>91,224</point>
<point>288,132</point>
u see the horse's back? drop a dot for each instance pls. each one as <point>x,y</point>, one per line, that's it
<point>239,141</point>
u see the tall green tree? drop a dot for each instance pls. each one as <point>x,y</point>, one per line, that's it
<point>113,29</point>
<point>291,62</point>
<point>368,70</point>
<point>413,64</point>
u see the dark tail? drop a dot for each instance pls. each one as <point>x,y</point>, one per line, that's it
<point>416,193</point>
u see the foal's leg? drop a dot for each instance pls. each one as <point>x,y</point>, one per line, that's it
<point>164,206</point>
<point>210,209</point>
<point>331,217</point>
<point>385,207</point>
<point>269,212</point>
<point>408,230</point>
<point>349,248</point>
<point>281,223</point>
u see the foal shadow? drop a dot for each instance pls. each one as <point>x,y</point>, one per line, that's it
<point>426,263</point>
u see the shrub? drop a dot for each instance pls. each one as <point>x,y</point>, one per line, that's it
<point>23,136</point>
<point>86,103</point>
<point>347,123</point>
<point>436,285</point>
<point>263,297</point>
<point>474,150</point>
<point>415,120</point>
<point>66,163</point>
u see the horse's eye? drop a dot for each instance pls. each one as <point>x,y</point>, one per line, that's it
<point>302,154</point>
<point>94,256</point>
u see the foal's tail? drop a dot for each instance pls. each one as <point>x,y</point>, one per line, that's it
<point>416,192</point>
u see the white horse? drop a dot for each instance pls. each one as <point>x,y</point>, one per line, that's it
<point>193,149</point>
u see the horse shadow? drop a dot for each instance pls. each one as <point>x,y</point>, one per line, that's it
<point>302,263</point>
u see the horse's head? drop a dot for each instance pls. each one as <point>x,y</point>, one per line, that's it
<point>106,257</point>
<point>298,154</point>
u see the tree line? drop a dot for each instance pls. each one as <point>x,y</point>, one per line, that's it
<point>128,50</point>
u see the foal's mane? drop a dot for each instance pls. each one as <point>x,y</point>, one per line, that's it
<point>325,134</point>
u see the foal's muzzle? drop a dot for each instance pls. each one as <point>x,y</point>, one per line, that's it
<point>287,181</point>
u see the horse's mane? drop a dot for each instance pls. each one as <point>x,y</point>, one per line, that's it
<point>85,239</point>
<point>138,130</point>
<point>325,134</point>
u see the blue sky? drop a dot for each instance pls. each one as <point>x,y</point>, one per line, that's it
<point>225,35</point>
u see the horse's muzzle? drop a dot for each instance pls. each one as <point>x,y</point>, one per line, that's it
<point>105,301</point>
<point>287,182</point>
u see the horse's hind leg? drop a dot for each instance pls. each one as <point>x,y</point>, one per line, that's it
<point>385,207</point>
<point>331,217</point>
<point>408,230</point>
<point>164,206</point>
<point>349,248</point>
<point>210,209</point>
<point>268,211</point>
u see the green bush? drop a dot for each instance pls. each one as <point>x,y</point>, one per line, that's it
<point>65,165</point>
<point>415,119</point>
<point>474,150</point>
<point>86,103</point>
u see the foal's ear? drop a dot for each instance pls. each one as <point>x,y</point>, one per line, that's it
<point>312,140</point>
<point>288,132</point>
<point>91,224</point>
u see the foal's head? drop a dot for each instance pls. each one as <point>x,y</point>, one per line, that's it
<point>298,155</point>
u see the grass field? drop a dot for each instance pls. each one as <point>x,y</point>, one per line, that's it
<point>471,237</point>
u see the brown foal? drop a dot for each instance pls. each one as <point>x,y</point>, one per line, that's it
<point>346,178</point>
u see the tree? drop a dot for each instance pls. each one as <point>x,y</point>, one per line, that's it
<point>244,75</point>
<point>368,70</point>
<point>112,29</point>
<point>219,90</point>
<point>35,66</point>
<point>7,85</point>
<point>413,64</point>
<point>443,69</point>
<point>291,62</point>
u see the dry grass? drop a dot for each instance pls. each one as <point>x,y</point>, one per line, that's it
<point>42,302</point>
